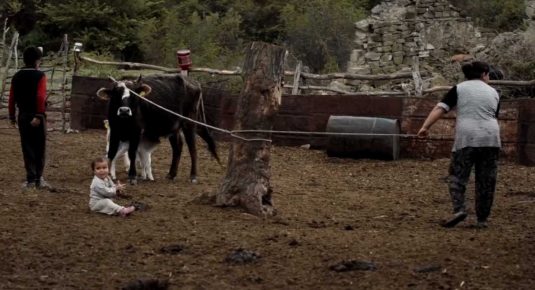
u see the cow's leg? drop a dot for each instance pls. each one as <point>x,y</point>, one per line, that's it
<point>112,147</point>
<point>176,145</point>
<point>189,135</point>
<point>124,151</point>
<point>112,170</point>
<point>132,151</point>
<point>141,160</point>
<point>123,148</point>
<point>144,153</point>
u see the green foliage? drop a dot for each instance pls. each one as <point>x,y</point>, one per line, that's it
<point>9,8</point>
<point>103,26</point>
<point>499,15</point>
<point>321,32</point>
<point>213,39</point>
<point>93,70</point>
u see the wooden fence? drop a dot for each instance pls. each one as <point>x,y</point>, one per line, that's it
<point>56,67</point>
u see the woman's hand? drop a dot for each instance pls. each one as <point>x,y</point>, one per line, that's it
<point>423,132</point>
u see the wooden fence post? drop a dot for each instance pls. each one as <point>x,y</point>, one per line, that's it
<point>297,78</point>
<point>3,43</point>
<point>14,40</point>
<point>247,181</point>
<point>418,83</point>
<point>16,53</point>
<point>65,54</point>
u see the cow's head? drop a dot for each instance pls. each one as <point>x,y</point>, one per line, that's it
<point>122,102</point>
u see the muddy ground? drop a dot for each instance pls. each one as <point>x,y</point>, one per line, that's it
<point>383,214</point>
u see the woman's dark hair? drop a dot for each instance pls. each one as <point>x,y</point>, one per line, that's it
<point>98,160</point>
<point>31,55</point>
<point>475,69</point>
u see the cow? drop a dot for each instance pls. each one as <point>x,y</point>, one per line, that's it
<point>134,120</point>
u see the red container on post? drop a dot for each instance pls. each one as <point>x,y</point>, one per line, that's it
<point>184,60</point>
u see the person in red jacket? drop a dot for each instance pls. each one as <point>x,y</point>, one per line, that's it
<point>28,95</point>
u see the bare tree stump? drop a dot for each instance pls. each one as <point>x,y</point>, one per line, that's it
<point>247,181</point>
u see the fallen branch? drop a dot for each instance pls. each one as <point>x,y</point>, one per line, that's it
<point>512,83</point>
<point>349,76</point>
<point>130,65</point>
<point>135,65</point>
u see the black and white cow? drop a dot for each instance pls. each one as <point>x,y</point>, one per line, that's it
<point>134,121</point>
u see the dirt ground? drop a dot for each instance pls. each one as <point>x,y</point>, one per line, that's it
<point>383,214</point>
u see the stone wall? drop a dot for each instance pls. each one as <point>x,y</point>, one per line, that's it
<point>400,30</point>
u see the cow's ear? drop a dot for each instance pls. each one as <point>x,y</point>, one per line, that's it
<point>138,79</point>
<point>102,93</point>
<point>144,90</point>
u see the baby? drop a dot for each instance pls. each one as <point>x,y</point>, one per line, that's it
<point>103,189</point>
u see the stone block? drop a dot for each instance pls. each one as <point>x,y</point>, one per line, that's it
<point>387,57</point>
<point>376,37</point>
<point>397,58</point>
<point>363,25</point>
<point>373,56</point>
<point>356,55</point>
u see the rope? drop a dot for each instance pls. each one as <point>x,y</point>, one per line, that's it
<point>322,133</point>
<point>234,133</point>
<point>194,121</point>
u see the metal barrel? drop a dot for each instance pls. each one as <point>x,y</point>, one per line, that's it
<point>378,138</point>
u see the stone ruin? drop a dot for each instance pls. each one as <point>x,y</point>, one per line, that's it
<point>398,31</point>
<point>402,33</point>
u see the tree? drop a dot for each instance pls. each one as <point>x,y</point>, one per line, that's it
<point>321,32</point>
<point>213,38</point>
<point>103,26</point>
<point>247,181</point>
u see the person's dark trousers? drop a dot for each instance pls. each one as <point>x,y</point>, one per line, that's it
<point>485,160</point>
<point>33,143</point>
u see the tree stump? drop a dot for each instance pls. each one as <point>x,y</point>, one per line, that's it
<point>247,180</point>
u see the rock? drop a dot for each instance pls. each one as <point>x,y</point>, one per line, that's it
<point>428,268</point>
<point>353,265</point>
<point>172,249</point>
<point>241,256</point>
<point>148,284</point>
<point>294,243</point>
<point>140,206</point>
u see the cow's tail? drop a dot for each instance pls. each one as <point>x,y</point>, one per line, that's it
<point>204,132</point>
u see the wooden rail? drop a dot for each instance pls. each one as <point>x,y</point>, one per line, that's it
<point>297,74</point>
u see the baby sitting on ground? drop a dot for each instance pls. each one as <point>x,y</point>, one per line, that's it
<point>103,189</point>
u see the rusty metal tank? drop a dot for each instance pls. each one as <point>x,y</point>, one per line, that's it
<point>372,138</point>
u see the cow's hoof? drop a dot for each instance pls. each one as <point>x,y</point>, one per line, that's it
<point>133,181</point>
<point>194,180</point>
<point>170,177</point>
